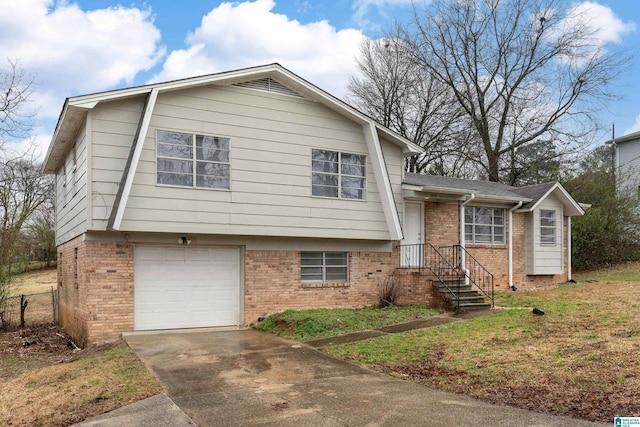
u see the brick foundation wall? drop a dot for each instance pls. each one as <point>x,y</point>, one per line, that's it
<point>95,290</point>
<point>272,283</point>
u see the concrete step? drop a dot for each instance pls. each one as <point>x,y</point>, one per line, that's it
<point>474,306</point>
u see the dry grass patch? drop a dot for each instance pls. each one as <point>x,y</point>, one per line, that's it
<point>43,382</point>
<point>34,282</point>
<point>579,359</point>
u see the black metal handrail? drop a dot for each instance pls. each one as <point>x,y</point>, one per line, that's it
<point>423,256</point>
<point>477,274</point>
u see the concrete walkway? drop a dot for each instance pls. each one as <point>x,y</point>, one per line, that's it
<point>249,378</point>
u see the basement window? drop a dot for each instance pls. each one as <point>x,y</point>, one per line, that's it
<point>324,267</point>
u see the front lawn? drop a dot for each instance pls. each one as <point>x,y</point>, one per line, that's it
<point>578,359</point>
<point>304,325</point>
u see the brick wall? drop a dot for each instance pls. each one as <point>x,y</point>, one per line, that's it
<point>95,288</point>
<point>442,228</point>
<point>272,283</point>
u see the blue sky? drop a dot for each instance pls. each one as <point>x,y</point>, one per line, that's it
<point>85,46</point>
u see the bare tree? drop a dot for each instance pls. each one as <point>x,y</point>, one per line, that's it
<point>395,90</point>
<point>23,189</point>
<point>520,71</point>
<point>16,119</point>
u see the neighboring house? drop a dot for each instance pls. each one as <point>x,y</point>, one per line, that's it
<point>217,200</point>
<point>627,161</point>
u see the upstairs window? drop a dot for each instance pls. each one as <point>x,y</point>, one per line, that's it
<point>547,227</point>
<point>338,175</point>
<point>484,225</point>
<point>189,160</point>
<point>324,267</point>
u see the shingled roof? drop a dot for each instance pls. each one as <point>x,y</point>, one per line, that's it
<point>530,195</point>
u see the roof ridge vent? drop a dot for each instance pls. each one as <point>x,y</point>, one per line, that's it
<point>268,85</point>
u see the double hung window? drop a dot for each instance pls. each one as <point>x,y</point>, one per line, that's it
<point>189,160</point>
<point>338,175</point>
<point>547,227</point>
<point>483,225</point>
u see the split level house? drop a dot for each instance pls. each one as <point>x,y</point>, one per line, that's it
<point>218,200</point>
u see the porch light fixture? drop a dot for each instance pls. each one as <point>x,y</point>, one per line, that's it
<point>184,241</point>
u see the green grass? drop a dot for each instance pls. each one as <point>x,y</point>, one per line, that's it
<point>584,349</point>
<point>304,325</point>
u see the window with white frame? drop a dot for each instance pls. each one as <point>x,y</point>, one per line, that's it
<point>547,227</point>
<point>484,225</point>
<point>338,175</point>
<point>63,187</point>
<point>74,171</point>
<point>324,267</point>
<point>190,160</point>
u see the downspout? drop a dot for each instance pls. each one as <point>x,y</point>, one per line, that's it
<point>511,242</point>
<point>463,264</point>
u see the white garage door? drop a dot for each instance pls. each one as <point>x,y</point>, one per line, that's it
<point>186,287</point>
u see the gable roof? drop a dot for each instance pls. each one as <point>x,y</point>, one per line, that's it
<point>625,138</point>
<point>530,196</point>
<point>75,109</point>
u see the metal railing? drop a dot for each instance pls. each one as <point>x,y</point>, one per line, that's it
<point>425,256</point>
<point>477,275</point>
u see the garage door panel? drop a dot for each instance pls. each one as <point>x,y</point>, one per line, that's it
<point>186,287</point>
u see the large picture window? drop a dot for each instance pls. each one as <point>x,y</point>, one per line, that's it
<point>338,175</point>
<point>189,160</point>
<point>484,225</point>
<point>324,267</point>
<point>547,227</point>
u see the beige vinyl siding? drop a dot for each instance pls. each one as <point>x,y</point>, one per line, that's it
<point>394,162</point>
<point>113,128</point>
<point>628,173</point>
<point>546,258</point>
<point>71,209</point>
<point>271,141</point>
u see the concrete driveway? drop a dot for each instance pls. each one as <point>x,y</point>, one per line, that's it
<point>249,378</point>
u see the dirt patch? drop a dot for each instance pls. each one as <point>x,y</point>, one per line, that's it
<point>46,381</point>
<point>32,347</point>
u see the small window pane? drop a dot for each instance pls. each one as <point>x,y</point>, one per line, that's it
<point>173,150</point>
<point>179,166</point>
<point>176,138</point>
<point>353,164</point>
<point>175,179</point>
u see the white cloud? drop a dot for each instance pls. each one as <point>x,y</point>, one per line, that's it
<point>73,51</point>
<point>634,128</point>
<point>236,35</point>
<point>604,26</point>
<point>362,10</point>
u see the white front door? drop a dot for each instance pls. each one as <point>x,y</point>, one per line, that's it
<point>412,251</point>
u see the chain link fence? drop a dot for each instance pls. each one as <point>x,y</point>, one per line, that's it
<point>33,309</point>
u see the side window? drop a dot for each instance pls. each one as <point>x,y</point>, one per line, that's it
<point>547,227</point>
